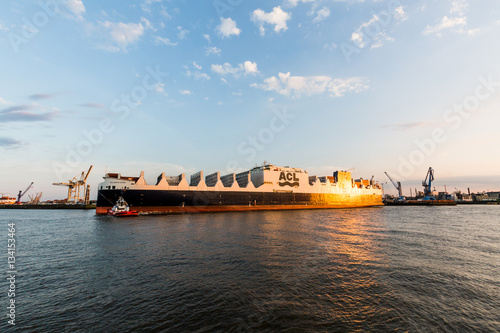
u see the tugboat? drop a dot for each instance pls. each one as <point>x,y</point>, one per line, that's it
<point>121,209</point>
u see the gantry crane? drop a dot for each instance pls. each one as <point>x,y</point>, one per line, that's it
<point>397,185</point>
<point>75,187</point>
<point>427,184</point>
<point>21,193</point>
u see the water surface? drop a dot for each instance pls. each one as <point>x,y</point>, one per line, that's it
<point>417,269</point>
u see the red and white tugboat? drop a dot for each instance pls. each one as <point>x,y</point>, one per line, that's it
<point>121,209</point>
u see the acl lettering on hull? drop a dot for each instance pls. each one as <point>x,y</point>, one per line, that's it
<point>288,179</point>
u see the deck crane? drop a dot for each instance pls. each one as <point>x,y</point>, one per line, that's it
<point>75,188</point>
<point>21,193</point>
<point>427,184</point>
<point>397,185</point>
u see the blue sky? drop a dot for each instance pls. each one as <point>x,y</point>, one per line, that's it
<point>181,86</point>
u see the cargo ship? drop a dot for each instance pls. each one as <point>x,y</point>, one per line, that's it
<point>265,187</point>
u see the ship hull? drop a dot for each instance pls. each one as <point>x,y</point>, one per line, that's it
<point>175,201</point>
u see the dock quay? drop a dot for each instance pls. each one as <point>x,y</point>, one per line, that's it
<point>47,206</point>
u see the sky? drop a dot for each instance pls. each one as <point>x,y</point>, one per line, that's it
<point>181,86</point>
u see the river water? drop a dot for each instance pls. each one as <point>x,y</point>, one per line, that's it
<point>416,269</point>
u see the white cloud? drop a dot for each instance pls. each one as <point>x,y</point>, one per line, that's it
<point>373,32</point>
<point>250,68</point>
<point>400,14</point>
<point>277,17</point>
<point>446,24</point>
<point>246,68</point>
<point>379,40</point>
<point>185,92</point>
<point>124,34</point>
<point>165,41</point>
<point>76,7</point>
<point>321,14</point>
<point>472,32</point>
<point>197,75</point>
<point>225,69</point>
<point>227,28</point>
<point>358,36</point>
<point>207,37</point>
<point>159,88</point>
<point>295,86</point>
<point>213,50</point>
<point>459,7</point>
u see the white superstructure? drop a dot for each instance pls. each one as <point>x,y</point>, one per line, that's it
<point>266,178</point>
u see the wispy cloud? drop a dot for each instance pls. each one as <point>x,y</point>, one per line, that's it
<point>293,3</point>
<point>4,101</point>
<point>147,4</point>
<point>37,97</point>
<point>26,117</point>
<point>296,86</point>
<point>93,105</point>
<point>181,32</point>
<point>3,27</point>
<point>407,126</point>
<point>22,113</point>
<point>321,15</point>
<point>164,41</point>
<point>9,143</point>
<point>18,108</point>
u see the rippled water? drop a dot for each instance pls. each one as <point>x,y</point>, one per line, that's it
<point>417,269</point>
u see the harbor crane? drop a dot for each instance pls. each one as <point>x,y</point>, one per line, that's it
<point>21,193</point>
<point>397,185</point>
<point>35,199</point>
<point>77,187</point>
<point>427,184</point>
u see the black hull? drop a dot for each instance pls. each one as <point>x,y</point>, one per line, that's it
<point>189,201</point>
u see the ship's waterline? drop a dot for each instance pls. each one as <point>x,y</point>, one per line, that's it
<point>266,187</point>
